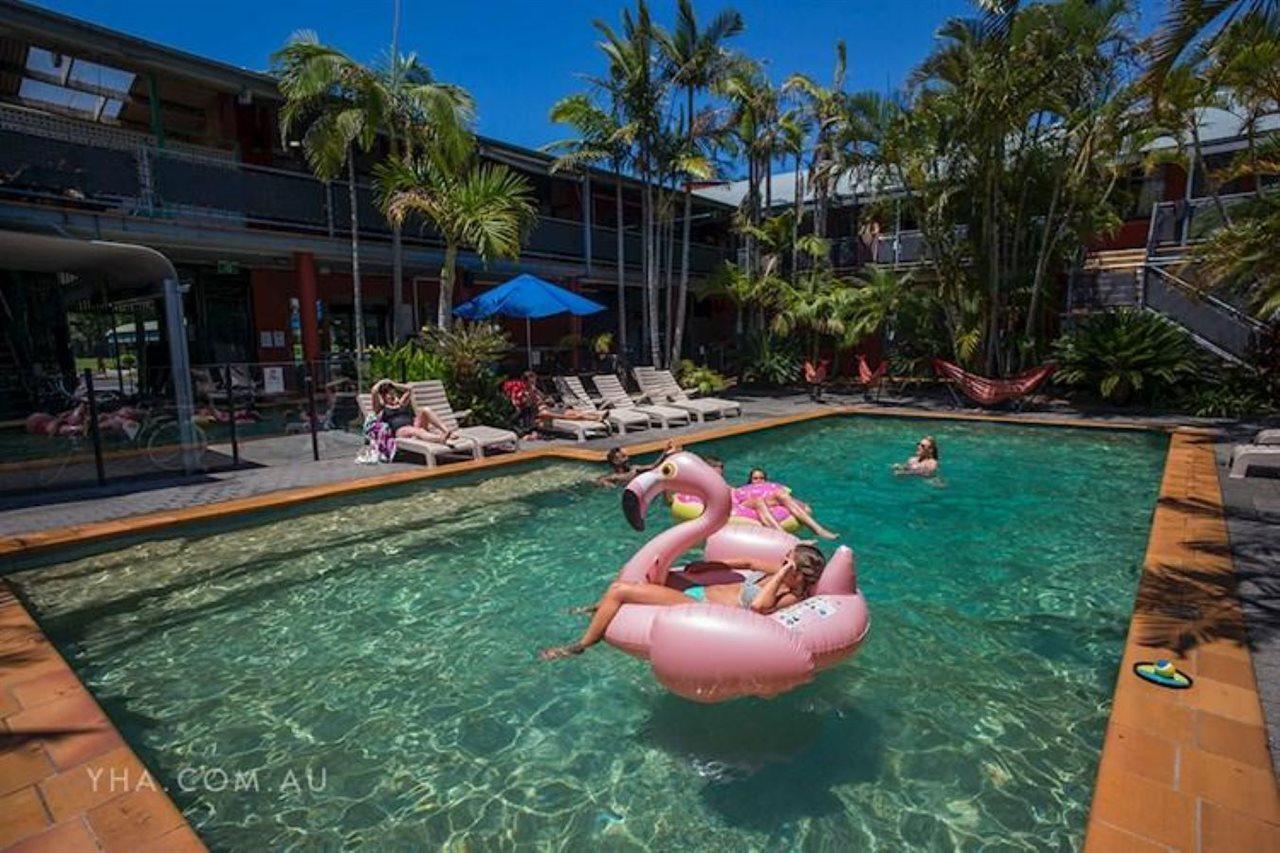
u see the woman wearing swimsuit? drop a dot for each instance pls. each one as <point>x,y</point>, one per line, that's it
<point>398,414</point>
<point>792,582</point>
<point>925,461</point>
<point>760,496</point>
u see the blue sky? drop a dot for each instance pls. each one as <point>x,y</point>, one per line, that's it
<point>517,58</point>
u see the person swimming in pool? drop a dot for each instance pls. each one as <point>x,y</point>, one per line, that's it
<point>925,461</point>
<point>792,582</point>
<point>623,472</point>
<point>397,412</point>
<point>760,495</point>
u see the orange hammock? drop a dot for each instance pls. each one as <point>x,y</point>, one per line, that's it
<point>992,392</point>
<point>867,376</point>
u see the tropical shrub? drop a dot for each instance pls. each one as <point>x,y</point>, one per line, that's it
<point>408,361</point>
<point>1237,393</point>
<point>1125,353</point>
<point>700,377</point>
<point>470,354</point>
<point>769,360</point>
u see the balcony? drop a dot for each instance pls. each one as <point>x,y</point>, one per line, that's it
<point>59,162</point>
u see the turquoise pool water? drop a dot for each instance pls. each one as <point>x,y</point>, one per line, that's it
<point>388,647</point>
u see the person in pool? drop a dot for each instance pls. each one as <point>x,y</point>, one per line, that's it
<point>760,496</point>
<point>925,461</point>
<point>622,471</point>
<point>396,411</point>
<point>792,582</point>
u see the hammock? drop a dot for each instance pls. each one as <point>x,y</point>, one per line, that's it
<point>992,392</point>
<point>868,377</point>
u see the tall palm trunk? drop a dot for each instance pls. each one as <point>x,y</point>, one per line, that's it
<point>682,295</point>
<point>797,190</point>
<point>356,294</point>
<point>651,274</point>
<point>447,273</point>
<point>621,262</point>
<point>398,329</point>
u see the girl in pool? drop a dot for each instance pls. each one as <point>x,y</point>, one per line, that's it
<point>760,496</point>
<point>792,582</point>
<point>396,411</point>
<point>925,461</point>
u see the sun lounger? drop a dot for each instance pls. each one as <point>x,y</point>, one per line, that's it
<point>428,450</point>
<point>1267,437</point>
<point>661,387</point>
<point>617,399</point>
<point>575,396</point>
<point>431,395</point>
<point>1249,457</point>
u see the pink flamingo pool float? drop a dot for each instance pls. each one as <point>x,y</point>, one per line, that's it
<point>710,652</point>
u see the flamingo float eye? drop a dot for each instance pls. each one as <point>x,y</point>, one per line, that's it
<point>668,469</point>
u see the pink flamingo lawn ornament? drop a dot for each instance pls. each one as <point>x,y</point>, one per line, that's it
<point>710,652</point>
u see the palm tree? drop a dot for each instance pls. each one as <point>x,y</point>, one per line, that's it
<point>600,138</point>
<point>485,207</point>
<point>342,105</point>
<point>698,60</point>
<point>1190,21</point>
<point>826,109</point>
<point>636,80</point>
<point>421,109</point>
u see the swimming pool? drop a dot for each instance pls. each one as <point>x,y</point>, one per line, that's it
<point>387,646</point>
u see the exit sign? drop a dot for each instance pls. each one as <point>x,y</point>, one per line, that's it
<point>228,267</point>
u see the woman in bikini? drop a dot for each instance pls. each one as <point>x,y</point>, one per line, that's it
<point>397,412</point>
<point>760,496</point>
<point>792,582</point>
<point>925,461</point>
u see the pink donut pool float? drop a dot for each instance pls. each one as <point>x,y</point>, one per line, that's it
<point>711,652</point>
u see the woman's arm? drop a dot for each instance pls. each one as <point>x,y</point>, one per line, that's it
<point>767,600</point>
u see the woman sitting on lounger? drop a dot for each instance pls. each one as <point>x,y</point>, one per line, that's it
<point>792,582</point>
<point>396,411</point>
<point>760,496</point>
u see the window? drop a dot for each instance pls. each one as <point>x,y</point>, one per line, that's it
<point>76,86</point>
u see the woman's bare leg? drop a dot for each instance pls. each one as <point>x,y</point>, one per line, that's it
<point>764,511</point>
<point>617,595</point>
<point>798,510</point>
<point>426,420</point>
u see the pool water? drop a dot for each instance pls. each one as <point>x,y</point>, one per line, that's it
<point>387,647</point>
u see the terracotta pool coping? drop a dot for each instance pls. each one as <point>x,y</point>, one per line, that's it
<point>56,779</point>
<point>1187,769</point>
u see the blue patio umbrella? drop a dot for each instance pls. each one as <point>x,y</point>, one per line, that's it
<point>529,297</point>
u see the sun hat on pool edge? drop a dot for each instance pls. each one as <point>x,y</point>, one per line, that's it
<point>1162,673</point>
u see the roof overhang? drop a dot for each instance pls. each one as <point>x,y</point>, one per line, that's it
<point>123,263</point>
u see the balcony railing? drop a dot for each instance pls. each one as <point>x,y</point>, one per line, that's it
<point>1178,223</point>
<point>60,162</point>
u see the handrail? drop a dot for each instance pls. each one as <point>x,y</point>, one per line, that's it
<point>1200,295</point>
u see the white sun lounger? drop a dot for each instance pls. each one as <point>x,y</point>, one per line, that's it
<point>1247,457</point>
<point>580,430</point>
<point>617,399</point>
<point>574,395</point>
<point>430,394</point>
<point>1267,437</point>
<point>661,387</point>
<point>428,450</point>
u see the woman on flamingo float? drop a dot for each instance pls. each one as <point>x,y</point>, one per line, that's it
<point>791,583</point>
<point>759,496</point>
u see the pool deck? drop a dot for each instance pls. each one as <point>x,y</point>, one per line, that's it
<point>1180,770</point>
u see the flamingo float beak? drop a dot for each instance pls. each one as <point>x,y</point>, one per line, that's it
<point>636,497</point>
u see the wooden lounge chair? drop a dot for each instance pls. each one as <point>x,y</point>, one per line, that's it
<point>992,392</point>
<point>661,387</point>
<point>431,395</point>
<point>617,399</point>
<point>428,450</point>
<point>1250,457</point>
<point>575,396</point>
